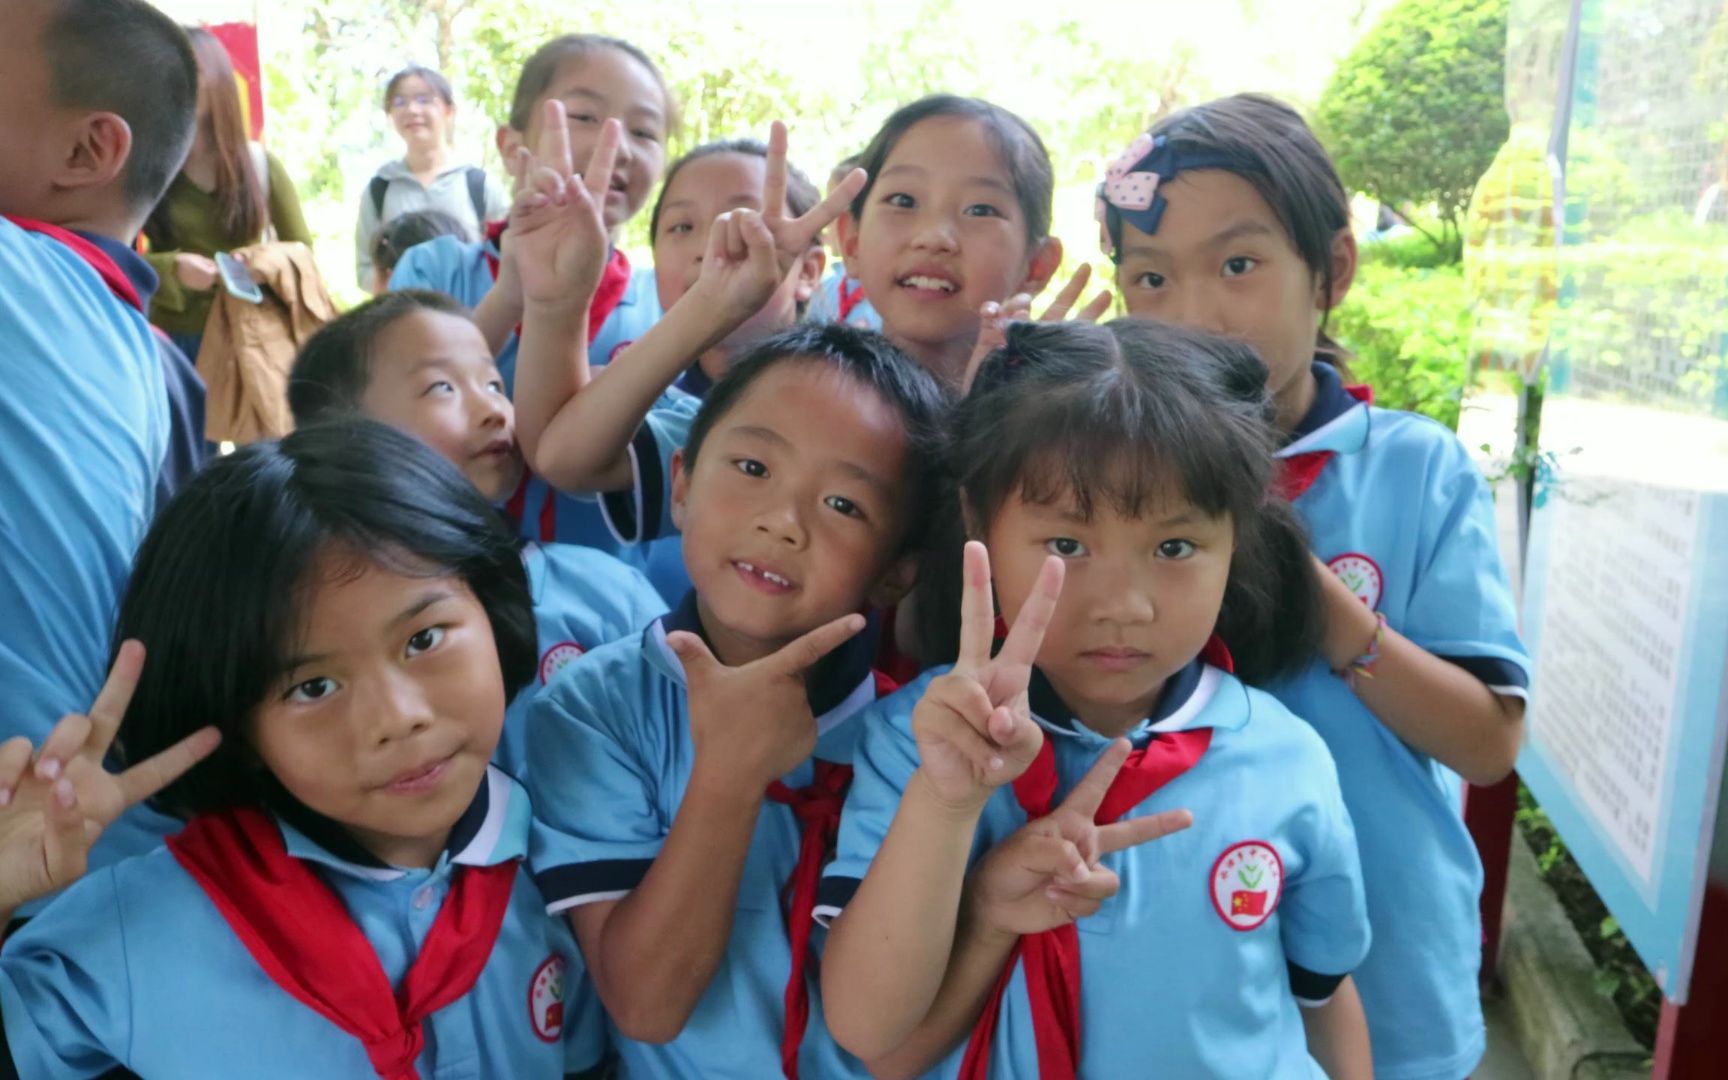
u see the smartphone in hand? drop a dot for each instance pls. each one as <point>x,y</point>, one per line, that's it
<point>237,279</point>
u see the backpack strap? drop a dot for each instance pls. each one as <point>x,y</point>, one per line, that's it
<point>477,196</point>
<point>378,187</point>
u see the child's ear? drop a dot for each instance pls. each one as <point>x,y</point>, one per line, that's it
<point>895,582</point>
<point>97,156</point>
<point>847,227</point>
<point>680,487</point>
<point>809,270</point>
<point>1344,257</point>
<point>1046,258</point>
<point>508,140</point>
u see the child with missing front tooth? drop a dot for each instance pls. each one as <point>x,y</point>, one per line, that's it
<point>690,782</point>
<point>348,897</point>
<point>414,359</point>
<point>1000,912</point>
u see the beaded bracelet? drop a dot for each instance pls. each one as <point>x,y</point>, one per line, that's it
<point>1363,665</point>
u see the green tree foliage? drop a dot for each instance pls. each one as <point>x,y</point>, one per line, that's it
<point>1415,113</point>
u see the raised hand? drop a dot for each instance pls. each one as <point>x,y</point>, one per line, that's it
<point>994,317</point>
<point>557,240</point>
<point>795,236</point>
<point>1048,873</point>
<point>973,726</point>
<point>749,254</point>
<point>54,805</point>
<point>752,724</point>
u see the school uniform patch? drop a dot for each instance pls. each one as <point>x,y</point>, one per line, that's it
<point>1362,575</point>
<point>556,658</point>
<point>546,999</point>
<point>1247,881</point>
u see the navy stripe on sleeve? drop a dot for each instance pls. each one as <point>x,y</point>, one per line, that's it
<point>574,884</point>
<point>1310,988</point>
<point>832,896</point>
<point>8,1067</point>
<point>1500,676</point>
<point>649,487</point>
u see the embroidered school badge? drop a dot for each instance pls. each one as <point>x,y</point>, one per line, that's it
<point>546,999</point>
<point>556,658</point>
<point>1363,576</point>
<point>1247,881</point>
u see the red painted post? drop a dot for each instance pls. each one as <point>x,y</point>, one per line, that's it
<point>1689,1038</point>
<point>1489,814</point>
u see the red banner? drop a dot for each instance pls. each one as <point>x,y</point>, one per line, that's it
<point>241,42</point>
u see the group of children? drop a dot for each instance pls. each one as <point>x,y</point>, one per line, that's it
<point>735,692</point>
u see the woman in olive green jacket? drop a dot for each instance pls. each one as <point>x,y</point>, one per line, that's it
<point>229,195</point>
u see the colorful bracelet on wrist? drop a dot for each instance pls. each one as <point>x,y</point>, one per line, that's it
<point>1363,666</point>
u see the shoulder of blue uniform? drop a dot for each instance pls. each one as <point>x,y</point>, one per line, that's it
<point>1270,722</point>
<point>441,264</point>
<point>896,708</point>
<point>599,673</point>
<point>1395,430</point>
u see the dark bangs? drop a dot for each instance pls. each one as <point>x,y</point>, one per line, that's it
<point>1130,417</point>
<point>1093,421</point>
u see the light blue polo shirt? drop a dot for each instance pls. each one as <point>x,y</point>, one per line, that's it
<point>825,305</point>
<point>610,739</point>
<point>134,966</point>
<point>84,427</point>
<point>1189,970</point>
<point>1405,517</point>
<point>582,599</point>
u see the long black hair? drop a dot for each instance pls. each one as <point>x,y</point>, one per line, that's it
<point>218,588</point>
<point>1120,416</point>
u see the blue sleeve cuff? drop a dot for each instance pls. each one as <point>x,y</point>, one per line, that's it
<point>1312,989</point>
<point>1504,677</point>
<point>574,884</point>
<point>832,896</point>
<point>633,515</point>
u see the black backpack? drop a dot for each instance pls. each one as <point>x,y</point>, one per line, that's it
<point>476,194</point>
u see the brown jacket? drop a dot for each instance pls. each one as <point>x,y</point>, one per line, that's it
<point>249,348</point>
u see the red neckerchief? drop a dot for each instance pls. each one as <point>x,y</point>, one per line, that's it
<point>297,930</point>
<point>849,298</point>
<point>614,279</point>
<point>890,660</point>
<point>106,268</point>
<point>1052,958</point>
<point>817,807</point>
<point>1297,473</point>
<point>517,505</point>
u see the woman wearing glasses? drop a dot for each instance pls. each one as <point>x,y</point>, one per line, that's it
<point>422,108</point>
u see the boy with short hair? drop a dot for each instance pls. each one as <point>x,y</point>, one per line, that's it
<point>100,101</point>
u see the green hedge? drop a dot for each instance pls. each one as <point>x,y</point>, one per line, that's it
<point>1408,329</point>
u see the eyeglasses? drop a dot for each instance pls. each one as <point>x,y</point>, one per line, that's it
<point>425,101</point>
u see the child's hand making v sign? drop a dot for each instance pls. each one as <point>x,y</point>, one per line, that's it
<point>911,961</point>
<point>54,805</point>
<point>576,430</point>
